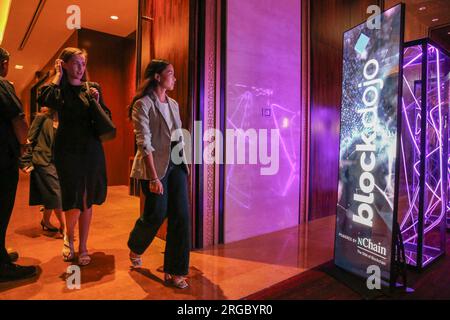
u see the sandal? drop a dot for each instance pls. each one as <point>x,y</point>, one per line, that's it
<point>84,259</point>
<point>60,234</point>
<point>68,251</point>
<point>176,281</point>
<point>48,228</point>
<point>136,261</point>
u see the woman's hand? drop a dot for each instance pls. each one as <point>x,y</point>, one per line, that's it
<point>27,169</point>
<point>58,66</point>
<point>58,71</point>
<point>156,187</point>
<point>94,93</point>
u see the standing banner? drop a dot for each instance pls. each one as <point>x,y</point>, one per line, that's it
<point>369,140</point>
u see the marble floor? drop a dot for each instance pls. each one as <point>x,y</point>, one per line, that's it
<point>231,271</point>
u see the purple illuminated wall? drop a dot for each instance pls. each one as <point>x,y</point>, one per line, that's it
<point>263,92</point>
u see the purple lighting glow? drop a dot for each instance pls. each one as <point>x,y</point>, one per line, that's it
<point>413,60</point>
<point>254,204</point>
<point>422,220</point>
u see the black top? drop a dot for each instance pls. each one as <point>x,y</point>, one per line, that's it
<point>41,136</point>
<point>10,108</point>
<point>75,121</point>
<point>78,152</point>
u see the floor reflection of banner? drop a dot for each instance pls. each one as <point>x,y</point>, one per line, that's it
<point>368,146</point>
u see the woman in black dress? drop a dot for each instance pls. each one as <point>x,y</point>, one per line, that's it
<point>39,160</point>
<point>79,155</point>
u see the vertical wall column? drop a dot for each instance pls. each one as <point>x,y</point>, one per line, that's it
<point>213,48</point>
<point>305,134</point>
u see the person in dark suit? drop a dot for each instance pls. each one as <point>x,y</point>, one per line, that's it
<point>39,161</point>
<point>79,156</point>
<point>13,133</point>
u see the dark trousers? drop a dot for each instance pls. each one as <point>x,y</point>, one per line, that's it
<point>173,204</point>
<point>9,178</point>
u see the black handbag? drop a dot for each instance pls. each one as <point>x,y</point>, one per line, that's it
<point>26,160</point>
<point>103,125</point>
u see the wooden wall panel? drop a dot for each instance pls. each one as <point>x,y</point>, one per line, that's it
<point>171,42</point>
<point>108,65</point>
<point>414,28</point>
<point>305,112</point>
<point>25,98</point>
<point>441,36</point>
<point>329,20</point>
<point>145,34</point>
<point>129,91</point>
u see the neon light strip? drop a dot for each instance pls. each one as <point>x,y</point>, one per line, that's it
<point>409,63</point>
<point>412,94</point>
<point>409,126</point>
<point>408,214</point>
<point>438,67</point>
<point>428,155</point>
<point>406,173</point>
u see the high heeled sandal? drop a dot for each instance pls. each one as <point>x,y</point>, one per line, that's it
<point>48,228</point>
<point>84,259</point>
<point>60,234</point>
<point>136,262</point>
<point>68,251</point>
<point>176,281</point>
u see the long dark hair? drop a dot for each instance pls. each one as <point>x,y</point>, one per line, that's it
<point>65,55</point>
<point>149,83</point>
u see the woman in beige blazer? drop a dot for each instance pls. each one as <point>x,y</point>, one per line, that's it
<point>163,178</point>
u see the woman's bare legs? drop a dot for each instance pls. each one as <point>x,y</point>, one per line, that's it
<point>84,218</point>
<point>85,223</point>
<point>84,226</point>
<point>46,217</point>
<point>72,217</point>
<point>60,216</point>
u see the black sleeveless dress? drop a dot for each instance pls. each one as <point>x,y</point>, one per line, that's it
<point>79,155</point>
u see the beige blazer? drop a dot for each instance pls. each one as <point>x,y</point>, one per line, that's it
<point>153,135</point>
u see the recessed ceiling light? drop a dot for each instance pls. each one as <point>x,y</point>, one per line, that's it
<point>19,67</point>
<point>435,19</point>
<point>422,8</point>
<point>115,17</point>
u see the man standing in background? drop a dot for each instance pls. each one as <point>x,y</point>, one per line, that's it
<point>13,135</point>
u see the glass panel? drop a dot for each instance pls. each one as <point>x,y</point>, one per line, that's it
<point>408,206</point>
<point>433,213</point>
<point>435,193</point>
<point>263,92</point>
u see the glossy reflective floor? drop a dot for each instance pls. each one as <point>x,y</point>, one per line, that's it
<point>231,271</point>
